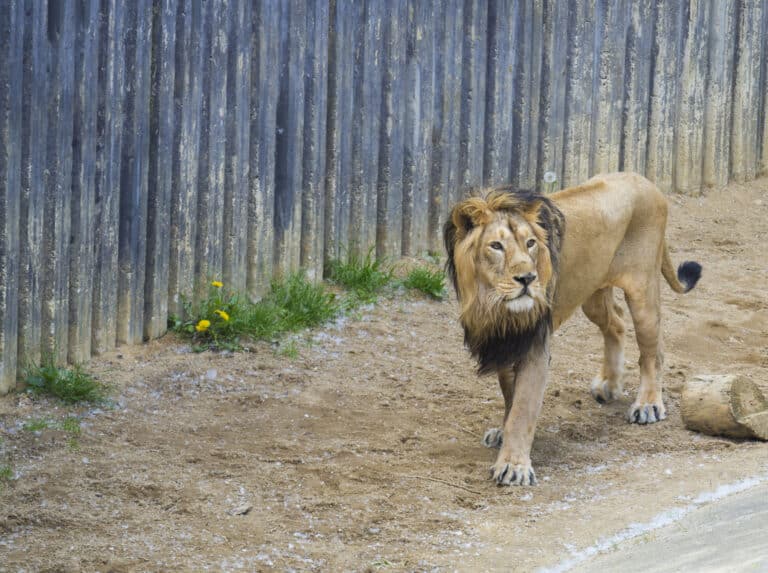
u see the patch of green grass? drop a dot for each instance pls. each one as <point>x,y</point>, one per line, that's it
<point>289,350</point>
<point>301,302</point>
<point>364,277</point>
<point>71,385</point>
<point>220,320</point>
<point>38,424</point>
<point>71,425</point>
<point>426,280</point>
<point>6,473</point>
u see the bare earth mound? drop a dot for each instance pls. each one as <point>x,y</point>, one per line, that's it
<point>364,452</point>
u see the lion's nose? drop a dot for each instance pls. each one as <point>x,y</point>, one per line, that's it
<point>526,279</point>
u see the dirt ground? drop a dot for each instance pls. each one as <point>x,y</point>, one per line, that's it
<point>363,452</point>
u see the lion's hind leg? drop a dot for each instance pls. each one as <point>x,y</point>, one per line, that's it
<point>602,309</point>
<point>645,307</point>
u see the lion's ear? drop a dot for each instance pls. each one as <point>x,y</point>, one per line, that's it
<point>469,214</point>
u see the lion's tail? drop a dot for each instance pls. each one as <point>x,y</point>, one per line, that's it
<point>688,273</point>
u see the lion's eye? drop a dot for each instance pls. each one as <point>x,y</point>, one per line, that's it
<point>530,243</point>
<point>497,246</point>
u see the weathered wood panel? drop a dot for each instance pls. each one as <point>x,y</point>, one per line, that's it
<point>389,177</point>
<point>314,141</point>
<point>57,181</point>
<point>237,174</point>
<point>81,254</point>
<point>161,126</point>
<point>417,138</point>
<point>665,82</point>
<point>11,73</point>
<point>608,84</point>
<point>34,118</point>
<point>719,90</point>
<point>210,189</point>
<point>637,83</point>
<point>109,127</point>
<point>265,54</point>
<point>746,89</point>
<point>188,94</point>
<point>134,174</point>
<point>691,104</point>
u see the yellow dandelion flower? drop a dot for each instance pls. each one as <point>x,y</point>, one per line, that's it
<point>203,325</point>
<point>222,314</point>
<point>217,284</point>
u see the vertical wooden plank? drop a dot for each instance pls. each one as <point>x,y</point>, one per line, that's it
<point>188,99</point>
<point>719,90</point>
<point>419,110</point>
<point>746,96</point>
<point>664,94</point>
<point>553,88</point>
<point>210,196</point>
<point>365,125</point>
<point>34,98</point>
<point>389,180</point>
<point>691,104</point>
<point>238,131</point>
<point>11,74</point>
<point>637,82</point>
<point>763,169</point>
<point>81,261</point>
<point>443,187</point>
<point>504,23</point>
<point>58,181</point>
<point>610,40</point>
<point>109,127</point>
<point>288,139</point>
<point>134,175</point>
<point>527,95</point>
<point>577,142</point>
<point>472,121</point>
<point>315,105</point>
<point>265,61</point>
<point>161,127</point>
<point>344,20</point>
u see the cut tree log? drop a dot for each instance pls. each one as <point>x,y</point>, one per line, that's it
<point>725,405</point>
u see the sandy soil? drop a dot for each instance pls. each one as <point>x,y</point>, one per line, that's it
<point>363,453</point>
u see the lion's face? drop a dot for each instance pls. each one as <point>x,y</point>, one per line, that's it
<point>502,257</point>
<point>506,260</point>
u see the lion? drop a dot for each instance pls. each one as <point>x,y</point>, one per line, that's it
<point>522,262</point>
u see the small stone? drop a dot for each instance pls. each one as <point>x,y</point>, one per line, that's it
<point>211,374</point>
<point>242,509</point>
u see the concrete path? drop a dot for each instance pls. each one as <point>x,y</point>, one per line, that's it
<point>729,535</point>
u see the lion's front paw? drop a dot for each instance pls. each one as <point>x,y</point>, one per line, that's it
<point>493,438</point>
<point>605,391</point>
<point>513,472</point>
<point>641,413</point>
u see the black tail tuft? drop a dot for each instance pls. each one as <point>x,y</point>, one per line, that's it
<point>689,274</point>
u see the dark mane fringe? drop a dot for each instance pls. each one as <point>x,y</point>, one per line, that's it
<point>510,348</point>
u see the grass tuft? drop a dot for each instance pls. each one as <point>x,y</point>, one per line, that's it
<point>70,385</point>
<point>364,277</point>
<point>429,281</point>
<point>220,320</point>
<point>6,473</point>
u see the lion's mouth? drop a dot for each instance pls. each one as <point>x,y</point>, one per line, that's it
<point>521,303</point>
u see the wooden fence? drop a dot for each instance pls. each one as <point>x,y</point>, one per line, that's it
<point>147,146</point>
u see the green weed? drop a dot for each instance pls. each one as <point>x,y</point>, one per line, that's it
<point>429,281</point>
<point>364,277</point>
<point>70,385</point>
<point>6,473</point>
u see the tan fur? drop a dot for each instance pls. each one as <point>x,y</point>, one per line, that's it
<point>614,237</point>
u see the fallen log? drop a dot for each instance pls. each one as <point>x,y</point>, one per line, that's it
<point>725,405</point>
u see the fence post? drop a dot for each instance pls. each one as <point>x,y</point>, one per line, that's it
<point>11,73</point>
